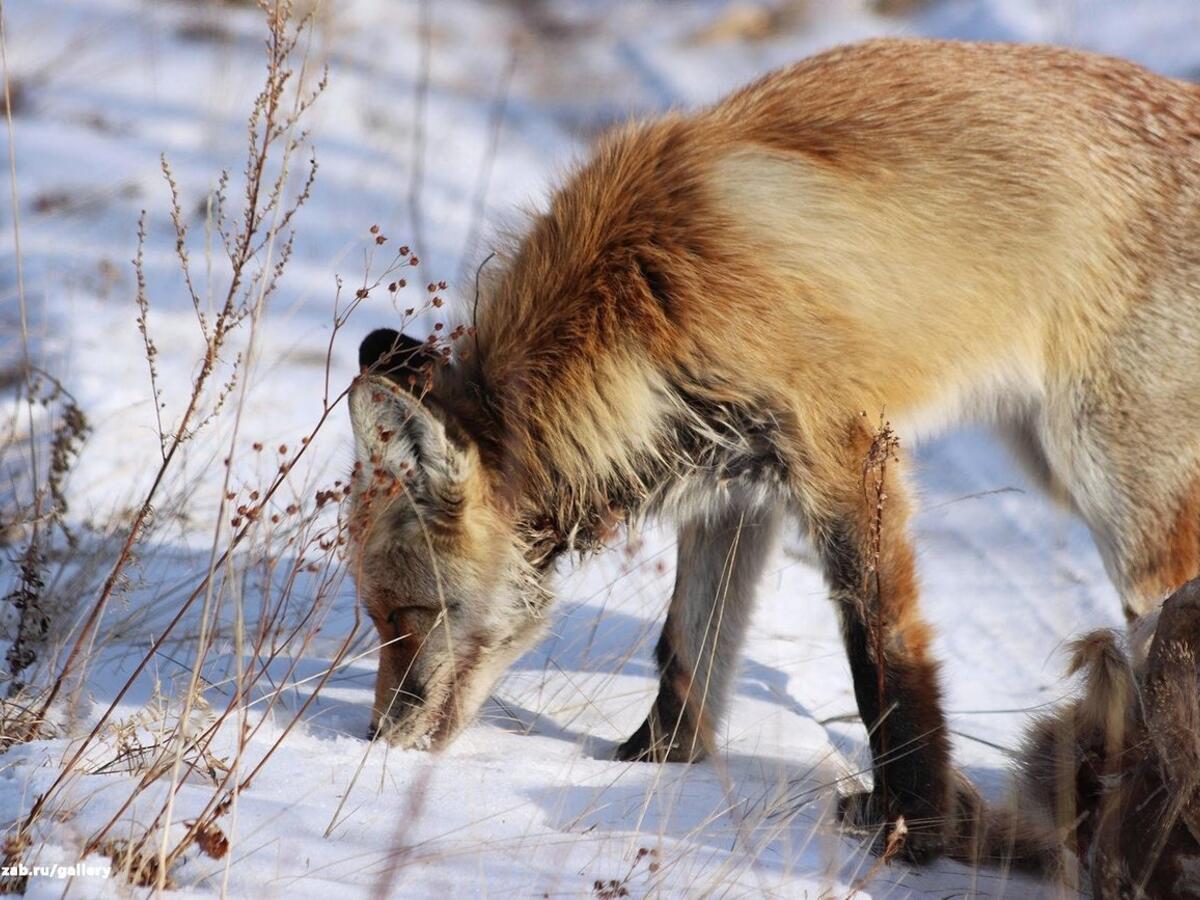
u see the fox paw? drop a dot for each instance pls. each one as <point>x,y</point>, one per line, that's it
<point>648,744</point>
<point>917,834</point>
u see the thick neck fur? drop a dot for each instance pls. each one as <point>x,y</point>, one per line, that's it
<point>573,366</point>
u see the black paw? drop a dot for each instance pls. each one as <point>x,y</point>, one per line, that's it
<point>648,744</point>
<point>916,834</point>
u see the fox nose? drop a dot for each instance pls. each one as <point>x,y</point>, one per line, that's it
<point>379,729</point>
<point>404,700</point>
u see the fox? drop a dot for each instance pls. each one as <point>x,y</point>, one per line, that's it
<point>713,323</point>
<point>1107,785</point>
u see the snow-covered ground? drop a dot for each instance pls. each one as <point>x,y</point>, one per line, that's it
<point>528,801</point>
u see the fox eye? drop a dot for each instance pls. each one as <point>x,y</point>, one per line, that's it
<point>393,616</point>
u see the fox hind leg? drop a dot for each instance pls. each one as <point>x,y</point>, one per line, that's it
<point>1132,468</point>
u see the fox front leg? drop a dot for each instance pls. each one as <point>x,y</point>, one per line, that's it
<point>720,561</point>
<point>869,565</point>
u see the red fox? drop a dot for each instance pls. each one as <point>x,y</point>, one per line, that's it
<point>709,323</point>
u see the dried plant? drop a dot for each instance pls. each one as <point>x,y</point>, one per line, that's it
<point>265,219</point>
<point>256,240</point>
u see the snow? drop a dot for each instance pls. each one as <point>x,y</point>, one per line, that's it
<point>527,802</point>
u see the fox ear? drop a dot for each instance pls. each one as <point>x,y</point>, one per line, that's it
<point>398,437</point>
<point>403,359</point>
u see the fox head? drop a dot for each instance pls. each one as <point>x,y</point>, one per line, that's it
<point>435,548</point>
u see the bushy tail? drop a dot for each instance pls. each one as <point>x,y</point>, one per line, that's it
<point>1001,837</point>
<point>1113,775</point>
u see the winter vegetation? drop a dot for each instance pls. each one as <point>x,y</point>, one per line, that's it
<point>210,203</point>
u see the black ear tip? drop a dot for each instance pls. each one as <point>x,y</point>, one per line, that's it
<point>377,344</point>
<point>397,356</point>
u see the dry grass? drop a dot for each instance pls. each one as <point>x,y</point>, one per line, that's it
<point>282,534</point>
<point>165,744</point>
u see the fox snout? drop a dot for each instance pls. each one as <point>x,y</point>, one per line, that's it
<point>403,714</point>
<point>399,693</point>
<point>427,711</point>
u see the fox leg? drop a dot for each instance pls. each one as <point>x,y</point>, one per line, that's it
<point>1122,435</point>
<point>720,559</point>
<point>1142,506</point>
<point>1158,549</point>
<point>861,534</point>
<point>1137,488</point>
